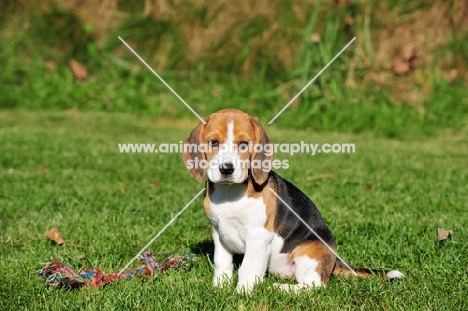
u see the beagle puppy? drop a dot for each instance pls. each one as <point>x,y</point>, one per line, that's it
<point>251,208</point>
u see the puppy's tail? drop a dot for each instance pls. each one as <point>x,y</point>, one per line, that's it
<point>343,269</point>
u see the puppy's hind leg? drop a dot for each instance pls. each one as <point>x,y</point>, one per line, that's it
<point>313,263</point>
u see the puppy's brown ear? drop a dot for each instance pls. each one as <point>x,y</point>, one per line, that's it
<point>192,155</point>
<point>260,162</point>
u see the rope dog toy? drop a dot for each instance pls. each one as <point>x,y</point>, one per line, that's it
<point>58,275</point>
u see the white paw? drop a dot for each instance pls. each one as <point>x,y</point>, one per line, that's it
<point>221,280</point>
<point>283,287</point>
<point>245,287</point>
<point>296,288</point>
<point>395,274</point>
<point>246,290</point>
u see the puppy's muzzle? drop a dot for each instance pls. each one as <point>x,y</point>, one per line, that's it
<point>226,168</point>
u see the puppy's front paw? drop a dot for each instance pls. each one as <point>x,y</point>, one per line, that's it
<point>246,285</point>
<point>296,288</point>
<point>244,288</point>
<point>220,280</point>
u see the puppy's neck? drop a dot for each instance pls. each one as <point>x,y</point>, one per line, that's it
<point>228,192</point>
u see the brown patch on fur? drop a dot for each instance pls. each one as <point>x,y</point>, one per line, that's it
<point>206,200</point>
<point>189,154</point>
<point>259,174</point>
<point>342,270</point>
<point>271,208</point>
<point>317,251</point>
<point>269,199</point>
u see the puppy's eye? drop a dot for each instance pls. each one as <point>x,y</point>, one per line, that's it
<point>243,146</point>
<point>213,143</point>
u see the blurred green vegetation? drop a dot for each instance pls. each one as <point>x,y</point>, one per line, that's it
<point>405,75</point>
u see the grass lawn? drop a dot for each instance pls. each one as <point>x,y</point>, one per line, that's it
<point>384,204</point>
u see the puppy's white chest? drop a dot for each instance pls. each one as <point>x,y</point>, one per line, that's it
<point>236,219</point>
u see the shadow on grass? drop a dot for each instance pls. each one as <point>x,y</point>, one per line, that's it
<point>206,247</point>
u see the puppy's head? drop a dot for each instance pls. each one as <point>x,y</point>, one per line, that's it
<point>229,147</point>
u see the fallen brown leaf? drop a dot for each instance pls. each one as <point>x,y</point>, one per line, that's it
<point>349,21</point>
<point>368,187</point>
<point>50,64</point>
<point>78,69</point>
<point>451,75</point>
<point>73,111</point>
<point>155,184</point>
<point>55,236</point>
<point>400,66</point>
<point>42,169</point>
<point>315,38</point>
<point>443,234</point>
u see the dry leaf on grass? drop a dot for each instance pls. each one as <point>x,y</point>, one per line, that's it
<point>50,64</point>
<point>404,62</point>
<point>79,70</point>
<point>73,111</point>
<point>315,38</point>
<point>155,184</point>
<point>55,236</point>
<point>400,66</point>
<point>368,187</point>
<point>443,234</point>
<point>451,75</point>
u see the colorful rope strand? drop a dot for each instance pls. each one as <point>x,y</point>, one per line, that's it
<point>56,274</point>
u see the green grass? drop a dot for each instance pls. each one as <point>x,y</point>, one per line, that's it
<point>104,201</point>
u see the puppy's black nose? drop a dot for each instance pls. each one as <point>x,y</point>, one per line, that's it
<point>226,168</point>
